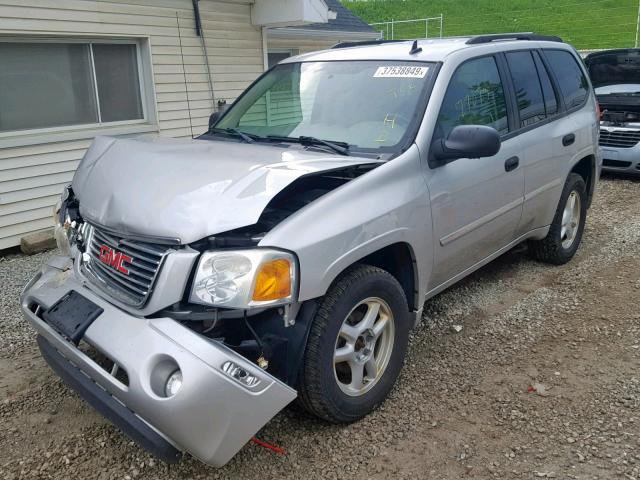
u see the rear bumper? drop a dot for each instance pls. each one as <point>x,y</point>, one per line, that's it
<point>212,415</point>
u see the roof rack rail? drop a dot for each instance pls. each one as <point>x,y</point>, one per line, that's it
<point>365,43</point>
<point>511,36</point>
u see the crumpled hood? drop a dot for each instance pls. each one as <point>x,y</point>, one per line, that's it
<point>188,189</point>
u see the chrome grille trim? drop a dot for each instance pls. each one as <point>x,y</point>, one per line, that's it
<point>133,289</point>
<point>619,138</point>
<point>118,244</point>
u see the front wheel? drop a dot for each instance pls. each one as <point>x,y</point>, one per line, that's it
<point>356,346</point>
<point>565,233</point>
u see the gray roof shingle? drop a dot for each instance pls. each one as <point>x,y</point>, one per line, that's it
<point>345,21</point>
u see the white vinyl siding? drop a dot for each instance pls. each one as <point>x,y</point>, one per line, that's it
<point>303,45</point>
<point>32,176</point>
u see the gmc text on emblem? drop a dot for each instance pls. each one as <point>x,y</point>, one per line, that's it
<point>114,259</point>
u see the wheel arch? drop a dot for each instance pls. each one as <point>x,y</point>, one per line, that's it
<point>586,167</point>
<point>398,259</point>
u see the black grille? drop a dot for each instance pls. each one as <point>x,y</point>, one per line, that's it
<point>133,281</point>
<point>619,138</point>
<point>615,163</point>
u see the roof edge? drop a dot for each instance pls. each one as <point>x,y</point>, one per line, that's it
<point>293,32</point>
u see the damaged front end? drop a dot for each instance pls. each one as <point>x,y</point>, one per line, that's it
<point>221,401</point>
<point>186,345</point>
<point>620,132</point>
<point>615,75</point>
<point>164,380</point>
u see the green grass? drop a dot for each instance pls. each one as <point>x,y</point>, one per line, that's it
<point>589,24</point>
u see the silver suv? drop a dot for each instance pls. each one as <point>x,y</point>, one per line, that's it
<point>205,284</point>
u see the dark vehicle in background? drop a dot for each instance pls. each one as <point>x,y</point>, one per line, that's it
<point>615,75</point>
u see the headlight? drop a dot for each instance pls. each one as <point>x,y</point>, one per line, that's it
<point>62,223</point>
<point>62,240</point>
<point>69,228</point>
<point>245,278</point>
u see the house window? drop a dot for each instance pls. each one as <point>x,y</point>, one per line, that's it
<point>64,83</point>
<point>275,56</point>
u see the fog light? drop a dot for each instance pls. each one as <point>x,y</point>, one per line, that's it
<point>174,382</point>
<point>239,374</point>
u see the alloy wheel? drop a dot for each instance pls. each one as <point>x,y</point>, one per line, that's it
<point>570,220</point>
<point>364,346</point>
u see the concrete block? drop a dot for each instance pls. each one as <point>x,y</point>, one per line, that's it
<point>38,242</point>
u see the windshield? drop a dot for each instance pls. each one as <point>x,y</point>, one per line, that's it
<point>370,105</point>
<point>614,68</point>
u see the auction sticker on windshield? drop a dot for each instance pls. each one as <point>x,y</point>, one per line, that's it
<point>401,71</point>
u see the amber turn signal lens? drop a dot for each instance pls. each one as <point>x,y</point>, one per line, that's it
<point>273,281</point>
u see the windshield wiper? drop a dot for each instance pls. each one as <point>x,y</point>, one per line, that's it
<point>249,138</point>
<point>339,147</point>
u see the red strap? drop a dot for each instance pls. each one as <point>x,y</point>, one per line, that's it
<point>273,448</point>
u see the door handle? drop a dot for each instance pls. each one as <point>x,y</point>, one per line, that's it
<point>511,164</point>
<point>568,139</point>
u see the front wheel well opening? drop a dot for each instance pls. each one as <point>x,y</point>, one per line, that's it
<point>586,168</point>
<point>398,260</point>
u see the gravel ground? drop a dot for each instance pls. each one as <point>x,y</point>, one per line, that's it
<point>541,382</point>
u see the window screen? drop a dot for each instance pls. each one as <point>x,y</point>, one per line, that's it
<point>45,85</point>
<point>573,84</point>
<point>527,86</point>
<point>118,83</point>
<point>475,96</point>
<point>52,84</point>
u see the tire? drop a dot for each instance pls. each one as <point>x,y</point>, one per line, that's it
<point>332,392</point>
<point>559,246</point>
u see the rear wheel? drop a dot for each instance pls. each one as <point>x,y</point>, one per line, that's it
<point>565,233</point>
<point>356,345</point>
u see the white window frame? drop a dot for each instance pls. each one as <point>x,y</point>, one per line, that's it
<point>148,122</point>
<point>291,51</point>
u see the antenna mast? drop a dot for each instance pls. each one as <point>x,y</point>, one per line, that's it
<point>184,74</point>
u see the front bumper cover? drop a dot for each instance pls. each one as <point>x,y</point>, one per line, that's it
<point>212,415</point>
<point>108,406</point>
<point>621,160</point>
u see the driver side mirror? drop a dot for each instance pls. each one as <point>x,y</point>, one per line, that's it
<point>467,141</point>
<point>213,119</point>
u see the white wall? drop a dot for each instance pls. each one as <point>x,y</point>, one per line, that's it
<point>34,168</point>
<point>304,45</point>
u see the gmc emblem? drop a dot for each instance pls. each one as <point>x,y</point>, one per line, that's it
<point>114,259</point>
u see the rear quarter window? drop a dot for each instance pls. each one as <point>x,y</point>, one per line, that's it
<point>573,83</point>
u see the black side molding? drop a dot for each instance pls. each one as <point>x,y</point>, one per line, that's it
<point>110,408</point>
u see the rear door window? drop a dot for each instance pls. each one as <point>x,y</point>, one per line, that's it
<point>550,100</point>
<point>475,96</point>
<point>572,81</point>
<point>528,89</point>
